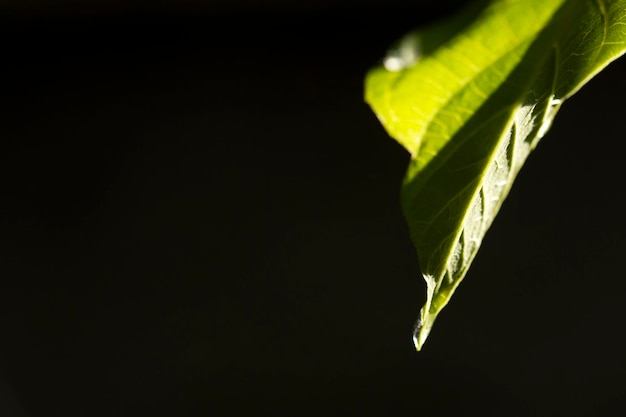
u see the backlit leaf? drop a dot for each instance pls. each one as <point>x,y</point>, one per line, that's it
<point>469,98</point>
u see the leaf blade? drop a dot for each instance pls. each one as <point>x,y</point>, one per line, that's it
<point>469,134</point>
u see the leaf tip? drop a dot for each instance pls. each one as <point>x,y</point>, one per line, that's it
<point>422,328</point>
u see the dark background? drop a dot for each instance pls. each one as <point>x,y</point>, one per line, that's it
<point>200,216</point>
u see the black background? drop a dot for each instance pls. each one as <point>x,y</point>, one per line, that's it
<point>200,217</point>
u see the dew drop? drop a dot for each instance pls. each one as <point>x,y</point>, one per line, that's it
<point>404,54</point>
<point>394,63</point>
<point>416,333</point>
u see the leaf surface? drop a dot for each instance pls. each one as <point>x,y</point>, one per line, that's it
<point>469,98</point>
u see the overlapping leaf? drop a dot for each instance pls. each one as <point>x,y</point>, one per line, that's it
<point>469,98</point>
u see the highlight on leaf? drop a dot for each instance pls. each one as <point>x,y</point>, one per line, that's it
<point>469,98</point>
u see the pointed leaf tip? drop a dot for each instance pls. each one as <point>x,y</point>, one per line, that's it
<point>422,330</point>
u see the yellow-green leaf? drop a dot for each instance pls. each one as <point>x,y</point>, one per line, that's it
<point>469,98</point>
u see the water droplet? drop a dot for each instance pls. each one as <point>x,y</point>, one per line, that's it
<point>404,54</point>
<point>416,333</point>
<point>393,63</point>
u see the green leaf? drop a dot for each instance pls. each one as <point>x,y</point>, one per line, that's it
<point>469,98</point>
